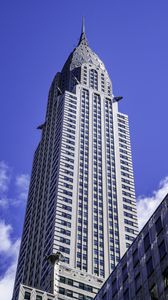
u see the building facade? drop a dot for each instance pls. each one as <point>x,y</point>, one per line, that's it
<point>142,273</point>
<point>81,211</point>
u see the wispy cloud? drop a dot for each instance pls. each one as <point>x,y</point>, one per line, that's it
<point>21,184</point>
<point>146,205</point>
<point>5,231</point>
<point>4,176</point>
<point>8,248</point>
<point>13,192</point>
<point>4,202</point>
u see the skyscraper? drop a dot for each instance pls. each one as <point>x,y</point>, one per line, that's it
<point>81,211</point>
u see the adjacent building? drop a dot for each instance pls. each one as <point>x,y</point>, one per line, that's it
<point>142,273</point>
<point>81,213</point>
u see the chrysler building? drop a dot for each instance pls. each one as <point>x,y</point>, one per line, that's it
<point>81,211</point>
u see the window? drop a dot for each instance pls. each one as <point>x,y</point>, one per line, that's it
<point>162,249</point>
<point>149,266</point>
<point>128,207</point>
<point>128,229</point>
<point>69,281</point>
<point>158,225</point>
<point>64,250</point>
<point>61,290</point>
<point>64,231</point>
<point>62,279</point>
<point>129,238</point>
<point>27,296</point>
<point>135,258</point>
<point>88,288</point>
<point>38,297</point>
<point>129,222</point>
<point>63,240</point>
<point>81,285</point>
<point>124,272</point>
<point>69,293</point>
<point>65,223</point>
<point>146,242</point>
<point>94,79</point>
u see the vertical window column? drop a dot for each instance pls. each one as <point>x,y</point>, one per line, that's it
<point>82,229</point>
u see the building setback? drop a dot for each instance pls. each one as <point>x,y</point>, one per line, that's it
<point>81,211</point>
<point>142,273</point>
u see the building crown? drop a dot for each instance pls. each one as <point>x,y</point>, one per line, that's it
<point>83,54</point>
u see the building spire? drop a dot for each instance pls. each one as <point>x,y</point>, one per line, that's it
<point>83,25</point>
<point>83,34</point>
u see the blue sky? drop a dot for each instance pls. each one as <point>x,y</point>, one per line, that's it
<point>36,38</point>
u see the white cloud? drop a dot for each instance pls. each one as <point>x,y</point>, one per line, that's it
<point>22,184</point>
<point>4,202</point>
<point>4,176</point>
<point>22,181</point>
<point>5,242</point>
<point>21,187</point>
<point>146,205</point>
<point>7,282</point>
<point>9,249</point>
